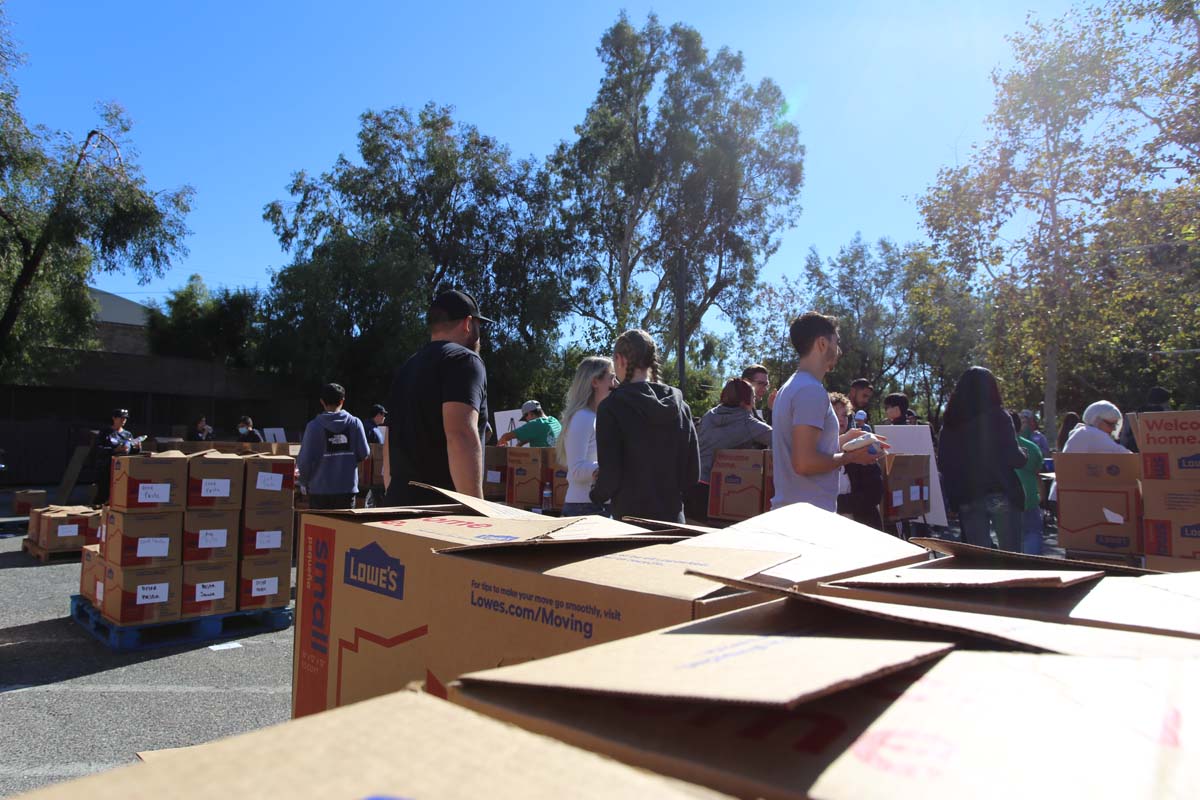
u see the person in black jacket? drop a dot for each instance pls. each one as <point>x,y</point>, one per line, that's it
<point>116,441</point>
<point>977,456</point>
<point>646,444</point>
<point>864,482</point>
<point>246,432</point>
<point>201,431</point>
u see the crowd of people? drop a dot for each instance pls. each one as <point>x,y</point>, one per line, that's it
<point>632,447</point>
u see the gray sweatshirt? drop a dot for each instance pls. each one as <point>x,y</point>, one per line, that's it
<point>725,428</point>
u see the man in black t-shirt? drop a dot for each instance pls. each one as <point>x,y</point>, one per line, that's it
<point>437,408</point>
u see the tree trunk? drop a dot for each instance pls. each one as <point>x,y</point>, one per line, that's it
<point>16,300</point>
<point>1050,401</point>
<point>681,320</point>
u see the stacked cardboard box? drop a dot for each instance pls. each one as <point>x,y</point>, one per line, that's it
<point>1170,451</point>
<point>737,484</point>
<point>28,499</point>
<point>495,472</point>
<point>906,481</point>
<point>210,533</point>
<point>64,528</point>
<point>265,544</point>
<point>1099,502</point>
<point>531,471</point>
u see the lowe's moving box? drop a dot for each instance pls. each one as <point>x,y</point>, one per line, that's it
<point>270,481</point>
<point>530,470</point>
<point>365,585</point>
<point>495,471</point>
<point>141,595</point>
<point>1169,442</point>
<point>905,486</point>
<point>1171,518</point>
<point>1170,564</point>
<point>153,483</point>
<point>209,587</point>
<point>768,479</point>
<point>264,582</point>
<point>91,574</point>
<point>64,528</point>
<point>735,487</point>
<point>267,532</point>
<point>26,500</point>
<point>143,540</point>
<point>1099,502</point>
<point>215,480</point>
<point>210,534</point>
<point>403,745</point>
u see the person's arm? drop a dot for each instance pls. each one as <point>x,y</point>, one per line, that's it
<point>579,431</point>
<point>808,460</point>
<point>1014,454</point>
<point>609,452</point>
<point>691,473</point>
<point>312,447</point>
<point>760,432</point>
<point>1033,462</point>
<point>362,450</point>
<point>516,434</point>
<point>463,447</point>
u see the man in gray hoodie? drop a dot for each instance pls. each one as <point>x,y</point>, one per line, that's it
<point>334,443</point>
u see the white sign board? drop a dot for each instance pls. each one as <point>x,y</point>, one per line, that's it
<point>916,440</point>
<point>507,421</point>
<point>274,434</point>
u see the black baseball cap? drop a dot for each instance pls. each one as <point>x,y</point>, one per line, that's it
<point>458,305</point>
<point>378,409</point>
<point>121,412</point>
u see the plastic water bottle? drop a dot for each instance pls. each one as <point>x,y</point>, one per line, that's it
<point>547,498</point>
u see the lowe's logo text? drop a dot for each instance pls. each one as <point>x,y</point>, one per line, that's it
<point>495,537</point>
<point>374,570</point>
<point>1190,462</point>
<point>1190,531</point>
<point>733,479</point>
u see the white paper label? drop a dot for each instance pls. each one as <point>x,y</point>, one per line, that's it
<point>493,476</point>
<point>103,531</point>
<point>212,590</point>
<point>924,492</point>
<point>99,591</point>
<point>213,537</point>
<point>897,498</point>
<point>1113,517</point>
<point>269,482</point>
<point>154,493</point>
<point>914,493</point>
<point>154,547</point>
<point>214,487</point>
<point>148,593</point>
<point>268,540</point>
<point>264,586</point>
<point>68,530</point>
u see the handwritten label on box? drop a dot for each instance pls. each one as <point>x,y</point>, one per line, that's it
<point>268,540</point>
<point>68,530</point>
<point>154,547</point>
<point>214,487</point>
<point>897,498</point>
<point>261,587</point>
<point>211,590</point>
<point>914,493</point>
<point>269,482</point>
<point>154,493</point>
<point>213,537</point>
<point>148,593</point>
<point>99,591</point>
<point>493,476</point>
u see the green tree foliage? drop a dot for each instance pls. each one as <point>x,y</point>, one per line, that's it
<point>70,207</point>
<point>682,176</point>
<point>431,204</point>
<point>222,326</point>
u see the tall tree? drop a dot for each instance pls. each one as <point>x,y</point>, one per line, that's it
<point>194,322</point>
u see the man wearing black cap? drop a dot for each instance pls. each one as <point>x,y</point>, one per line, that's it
<point>116,441</point>
<point>438,407</point>
<point>373,422</point>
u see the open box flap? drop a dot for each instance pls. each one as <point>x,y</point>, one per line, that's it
<point>485,508</point>
<point>917,578</point>
<point>659,525</point>
<point>990,557</point>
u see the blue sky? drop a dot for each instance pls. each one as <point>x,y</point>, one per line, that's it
<point>234,97</point>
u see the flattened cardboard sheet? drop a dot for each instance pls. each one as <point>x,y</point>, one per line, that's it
<point>917,578</point>
<point>990,557</point>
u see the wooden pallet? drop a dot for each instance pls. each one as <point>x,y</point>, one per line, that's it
<point>134,638</point>
<point>46,556</point>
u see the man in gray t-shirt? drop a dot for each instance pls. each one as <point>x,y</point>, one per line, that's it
<point>807,448</point>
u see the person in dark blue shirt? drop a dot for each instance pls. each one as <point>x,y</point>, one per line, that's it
<point>374,422</point>
<point>116,441</point>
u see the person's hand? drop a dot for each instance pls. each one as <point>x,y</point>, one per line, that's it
<point>863,455</point>
<point>849,435</point>
<point>771,399</point>
<point>121,448</point>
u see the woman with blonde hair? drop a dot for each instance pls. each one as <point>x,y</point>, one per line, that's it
<point>576,447</point>
<point>646,443</point>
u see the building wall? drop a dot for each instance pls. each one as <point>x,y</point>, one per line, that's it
<point>128,339</point>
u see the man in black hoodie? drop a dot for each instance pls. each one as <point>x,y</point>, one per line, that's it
<point>646,444</point>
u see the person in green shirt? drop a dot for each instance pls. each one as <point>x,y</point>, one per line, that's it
<point>1031,515</point>
<point>539,430</point>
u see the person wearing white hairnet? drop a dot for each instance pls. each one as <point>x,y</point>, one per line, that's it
<point>1095,434</point>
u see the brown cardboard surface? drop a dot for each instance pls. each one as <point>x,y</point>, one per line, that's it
<point>91,574</point>
<point>1116,728</point>
<point>989,557</point>
<point>270,481</point>
<point>948,578</point>
<point>215,480</point>
<point>1169,442</point>
<point>141,595</point>
<point>370,469</point>
<point>143,539</point>
<point>735,488</point>
<point>906,486</point>
<point>495,472</point>
<point>209,588</point>
<point>1171,518</point>
<point>210,534</point>
<point>64,528</point>
<point>1168,564</point>
<point>402,745</point>
<point>26,500</point>
<point>153,483</point>
<point>530,470</point>
<point>267,531</point>
<point>264,582</point>
<point>484,508</point>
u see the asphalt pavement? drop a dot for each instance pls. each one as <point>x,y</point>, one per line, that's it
<point>70,707</point>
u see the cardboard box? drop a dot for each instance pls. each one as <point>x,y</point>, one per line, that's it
<point>1169,564</point>
<point>209,588</point>
<point>768,479</point>
<point>151,483</point>
<point>264,582</point>
<point>370,469</point>
<point>530,471</point>
<point>34,529</point>
<point>495,472</point>
<point>95,525</point>
<point>270,481</point>
<point>403,745</point>
<point>143,540</point>
<point>1171,518</point>
<point>1099,502</point>
<point>26,500</point>
<point>211,534</point>
<point>366,584</point>
<point>735,488</point>
<point>215,480</point>
<point>141,595</point>
<point>267,532</point>
<point>64,528</point>
<point>91,575</point>
<point>1169,442</point>
<point>906,485</point>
